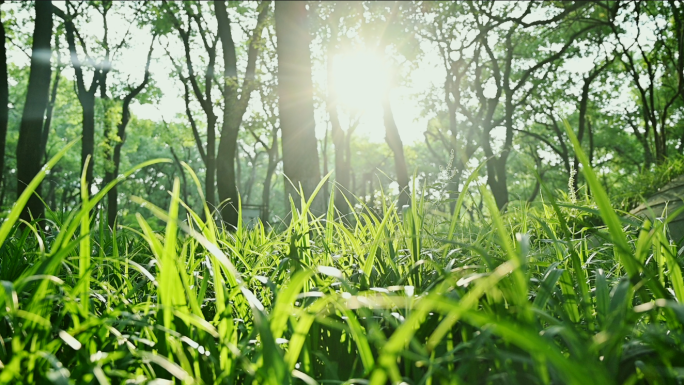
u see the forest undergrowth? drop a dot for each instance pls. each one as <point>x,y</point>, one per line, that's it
<point>538,294</point>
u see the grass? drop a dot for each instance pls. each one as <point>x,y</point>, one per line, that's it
<point>528,296</point>
<point>648,182</point>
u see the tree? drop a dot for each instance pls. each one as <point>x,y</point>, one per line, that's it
<point>460,140</point>
<point>655,67</point>
<point>503,61</point>
<point>51,104</point>
<point>397,146</point>
<point>28,154</point>
<point>295,99</point>
<point>4,97</point>
<point>392,137</point>
<point>115,156</point>
<point>204,97</point>
<point>234,105</point>
<point>341,139</point>
<point>86,95</point>
<point>268,122</point>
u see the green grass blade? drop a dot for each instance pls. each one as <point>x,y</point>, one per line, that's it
<point>623,250</point>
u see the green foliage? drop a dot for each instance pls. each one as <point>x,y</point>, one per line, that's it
<point>522,297</point>
<point>559,289</point>
<point>647,183</point>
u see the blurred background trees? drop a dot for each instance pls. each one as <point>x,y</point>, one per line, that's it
<point>260,97</point>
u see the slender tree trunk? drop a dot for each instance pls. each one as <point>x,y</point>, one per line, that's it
<point>30,130</point>
<point>48,115</point>
<point>266,192</point>
<point>88,141</point>
<point>50,109</point>
<point>182,173</point>
<point>340,141</point>
<point>112,195</point>
<point>453,189</point>
<point>535,192</point>
<point>227,151</point>
<point>324,152</point>
<point>203,97</point>
<point>87,99</point>
<point>4,101</point>
<point>210,181</point>
<point>583,109</point>
<point>643,140</point>
<point>250,181</point>
<point>227,178</point>
<point>590,131</point>
<point>234,108</point>
<point>498,182</point>
<point>342,169</point>
<point>584,101</point>
<point>270,171</point>
<point>295,98</point>
<point>452,87</point>
<point>395,144</point>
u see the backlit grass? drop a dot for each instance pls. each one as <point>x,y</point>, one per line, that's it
<point>529,296</point>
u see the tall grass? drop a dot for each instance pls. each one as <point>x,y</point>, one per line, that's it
<point>530,296</point>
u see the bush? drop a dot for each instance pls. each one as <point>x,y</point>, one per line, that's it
<point>647,183</point>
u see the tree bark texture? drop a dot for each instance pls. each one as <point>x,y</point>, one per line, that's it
<point>235,105</point>
<point>295,99</point>
<point>30,130</point>
<point>4,99</point>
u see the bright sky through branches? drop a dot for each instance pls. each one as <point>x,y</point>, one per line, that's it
<point>359,76</point>
<point>359,79</point>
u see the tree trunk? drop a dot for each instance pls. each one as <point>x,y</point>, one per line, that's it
<point>584,102</point>
<point>226,176</point>
<point>590,131</point>
<point>4,101</point>
<point>227,151</point>
<point>204,98</point>
<point>266,192</point>
<point>326,169</point>
<point>340,141</point>
<point>453,189</point>
<point>210,178</point>
<point>395,144</point>
<point>234,108</point>
<point>246,192</point>
<point>583,108</point>
<point>295,99</point>
<point>112,195</point>
<point>87,99</point>
<point>48,115</point>
<point>88,141</point>
<point>30,130</point>
<point>182,173</point>
<point>498,182</point>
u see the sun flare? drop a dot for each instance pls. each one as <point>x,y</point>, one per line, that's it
<point>359,79</point>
